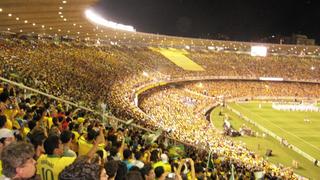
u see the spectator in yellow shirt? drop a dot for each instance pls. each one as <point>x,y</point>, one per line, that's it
<point>164,162</point>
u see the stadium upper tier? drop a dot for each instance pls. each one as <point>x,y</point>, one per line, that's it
<point>66,18</point>
<point>112,73</point>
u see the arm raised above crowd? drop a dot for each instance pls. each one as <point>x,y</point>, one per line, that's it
<point>100,139</point>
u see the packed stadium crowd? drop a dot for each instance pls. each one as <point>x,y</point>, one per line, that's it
<point>40,138</point>
<point>232,64</point>
<point>236,89</point>
<point>178,111</point>
<point>90,75</point>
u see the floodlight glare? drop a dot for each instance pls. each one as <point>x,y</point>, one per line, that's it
<point>92,16</point>
<point>258,51</point>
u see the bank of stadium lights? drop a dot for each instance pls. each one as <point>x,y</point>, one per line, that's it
<point>9,15</point>
<point>210,48</point>
<point>33,24</point>
<point>17,18</point>
<point>60,7</point>
<point>258,51</point>
<point>64,2</point>
<point>25,21</point>
<point>95,18</point>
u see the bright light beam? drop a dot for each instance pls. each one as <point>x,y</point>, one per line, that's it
<point>259,51</point>
<point>95,18</point>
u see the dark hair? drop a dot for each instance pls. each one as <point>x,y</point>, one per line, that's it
<point>32,124</point>
<point>76,127</point>
<point>71,126</point>
<point>37,117</point>
<point>113,151</point>
<point>37,138</point>
<point>81,169</point>
<point>126,154</point>
<point>3,120</point>
<point>134,168</point>
<point>122,171</point>
<point>15,155</point>
<point>4,96</point>
<point>51,143</point>
<point>146,170</point>
<point>55,121</point>
<point>65,136</point>
<point>134,175</point>
<point>111,168</point>
<point>100,153</point>
<point>92,134</point>
<point>137,155</point>
<point>11,92</point>
<point>154,155</point>
<point>40,111</point>
<point>158,171</point>
<point>198,168</point>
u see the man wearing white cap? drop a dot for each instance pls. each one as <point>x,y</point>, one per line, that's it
<point>164,163</point>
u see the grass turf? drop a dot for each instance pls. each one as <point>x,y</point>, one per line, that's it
<point>260,144</point>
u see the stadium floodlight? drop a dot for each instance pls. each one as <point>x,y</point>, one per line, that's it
<point>210,47</point>
<point>270,79</point>
<point>312,68</point>
<point>95,18</point>
<point>259,51</point>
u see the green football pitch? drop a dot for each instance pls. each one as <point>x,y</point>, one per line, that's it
<point>288,125</point>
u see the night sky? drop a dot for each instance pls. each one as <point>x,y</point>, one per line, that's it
<point>243,20</point>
